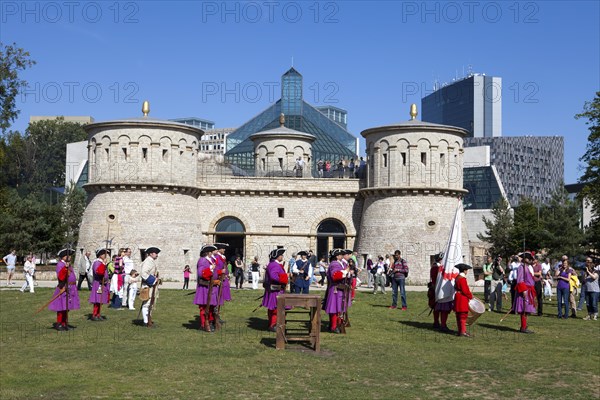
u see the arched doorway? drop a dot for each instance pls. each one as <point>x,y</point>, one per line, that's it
<point>331,234</point>
<point>230,230</point>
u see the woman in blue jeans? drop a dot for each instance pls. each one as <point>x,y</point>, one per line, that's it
<point>563,275</point>
<point>592,289</point>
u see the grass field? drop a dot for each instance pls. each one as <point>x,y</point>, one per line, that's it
<point>386,354</point>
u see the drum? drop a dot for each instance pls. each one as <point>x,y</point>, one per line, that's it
<point>476,308</point>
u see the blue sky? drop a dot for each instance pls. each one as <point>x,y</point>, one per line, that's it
<point>222,61</point>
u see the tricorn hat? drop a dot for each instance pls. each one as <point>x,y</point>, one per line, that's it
<point>152,249</point>
<point>276,253</point>
<point>335,252</point>
<point>526,256</point>
<point>347,251</point>
<point>65,252</point>
<point>220,246</point>
<point>439,256</point>
<point>207,248</point>
<point>462,267</point>
<point>302,253</point>
<point>100,252</point>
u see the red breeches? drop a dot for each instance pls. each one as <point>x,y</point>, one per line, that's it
<point>461,322</point>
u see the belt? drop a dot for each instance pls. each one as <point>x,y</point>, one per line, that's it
<point>205,283</point>
<point>341,286</point>
<point>276,288</point>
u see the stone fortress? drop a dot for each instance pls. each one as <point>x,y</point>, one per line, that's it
<point>149,186</point>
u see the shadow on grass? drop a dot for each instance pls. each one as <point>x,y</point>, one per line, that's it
<point>193,323</point>
<point>137,322</point>
<point>498,328</point>
<point>257,324</point>
<point>380,305</point>
<point>420,325</point>
<point>269,342</point>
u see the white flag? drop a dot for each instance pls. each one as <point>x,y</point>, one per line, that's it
<point>444,288</point>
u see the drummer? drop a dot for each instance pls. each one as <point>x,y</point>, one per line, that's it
<point>461,299</point>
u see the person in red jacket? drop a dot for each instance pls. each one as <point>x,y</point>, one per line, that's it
<point>461,299</point>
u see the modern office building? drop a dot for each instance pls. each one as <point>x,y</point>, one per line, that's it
<point>473,103</point>
<point>203,124</point>
<point>528,166</point>
<point>335,114</point>
<point>213,140</point>
<point>332,141</point>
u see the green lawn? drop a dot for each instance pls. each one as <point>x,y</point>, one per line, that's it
<point>386,354</point>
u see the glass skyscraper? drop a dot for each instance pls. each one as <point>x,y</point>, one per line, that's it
<point>473,103</point>
<point>332,142</point>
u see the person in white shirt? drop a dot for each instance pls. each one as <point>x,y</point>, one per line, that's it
<point>379,276</point>
<point>29,269</point>
<point>85,265</point>
<point>302,271</point>
<point>10,260</point>
<point>129,290</point>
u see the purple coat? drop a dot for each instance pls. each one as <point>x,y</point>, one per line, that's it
<point>334,296</point>
<point>525,304</point>
<point>60,303</point>
<point>95,297</point>
<point>202,291</point>
<point>274,269</point>
<point>221,263</point>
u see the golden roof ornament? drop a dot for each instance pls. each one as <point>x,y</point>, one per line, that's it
<point>413,111</point>
<point>146,108</point>
<point>282,119</point>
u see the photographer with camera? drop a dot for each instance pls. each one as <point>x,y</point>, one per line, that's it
<point>496,285</point>
<point>592,289</point>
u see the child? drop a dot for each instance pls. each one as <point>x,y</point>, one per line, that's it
<point>548,287</point>
<point>134,279</point>
<point>186,277</point>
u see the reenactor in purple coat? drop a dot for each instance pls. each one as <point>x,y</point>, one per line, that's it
<point>525,302</point>
<point>221,263</point>
<point>334,297</point>
<point>208,281</point>
<point>65,297</point>
<point>101,285</point>
<point>275,281</point>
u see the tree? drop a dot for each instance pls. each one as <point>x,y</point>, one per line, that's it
<point>73,206</point>
<point>561,231</point>
<point>498,231</point>
<point>13,60</point>
<point>591,176</point>
<point>527,229</point>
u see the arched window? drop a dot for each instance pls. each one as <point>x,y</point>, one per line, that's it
<point>230,225</point>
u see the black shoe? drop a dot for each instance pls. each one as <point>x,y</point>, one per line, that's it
<point>221,321</point>
<point>526,330</point>
<point>336,330</point>
<point>272,329</point>
<point>212,327</point>
<point>61,328</point>
<point>95,319</point>
<point>445,329</point>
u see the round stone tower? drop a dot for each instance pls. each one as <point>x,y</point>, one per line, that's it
<point>277,150</point>
<point>142,189</point>
<point>414,181</point>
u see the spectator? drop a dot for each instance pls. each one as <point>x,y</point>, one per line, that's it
<point>512,280</point>
<point>496,285</point>
<point>592,289</point>
<point>10,260</point>
<point>85,265</point>
<point>186,277</point>
<point>400,272</point>
<point>574,285</point>
<point>239,272</point>
<point>487,281</point>
<point>322,270</point>
<point>539,292</point>
<point>379,275</point>
<point>255,269</point>
<point>320,167</point>
<point>29,270</point>
<point>370,274</point>
<point>340,168</point>
<point>351,166</point>
<point>134,280</point>
<point>563,276</point>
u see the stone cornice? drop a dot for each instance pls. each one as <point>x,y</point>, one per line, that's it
<point>150,187</point>
<point>412,191</point>
<point>348,235</point>
<point>276,193</point>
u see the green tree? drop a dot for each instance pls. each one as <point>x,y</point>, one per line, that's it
<point>561,231</point>
<point>499,229</point>
<point>73,206</point>
<point>527,230</point>
<point>591,176</point>
<point>13,60</point>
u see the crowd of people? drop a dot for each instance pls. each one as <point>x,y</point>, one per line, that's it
<point>574,287</point>
<point>343,168</point>
<point>530,281</point>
